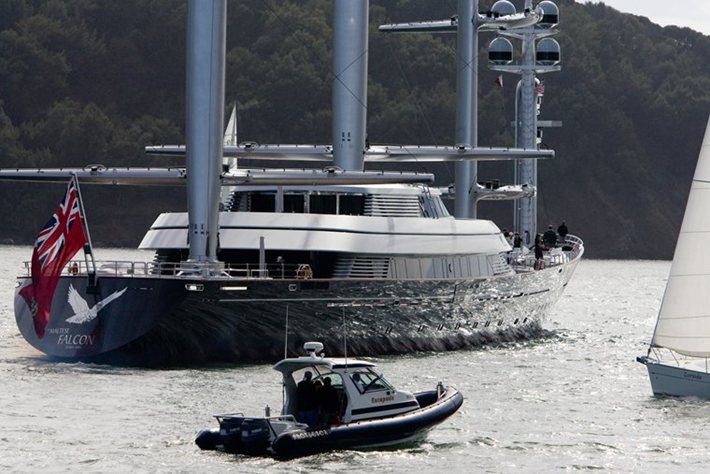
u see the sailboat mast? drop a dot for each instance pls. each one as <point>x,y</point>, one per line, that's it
<point>206,33</point>
<point>350,22</point>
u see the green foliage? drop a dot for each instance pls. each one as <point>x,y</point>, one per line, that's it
<point>94,81</point>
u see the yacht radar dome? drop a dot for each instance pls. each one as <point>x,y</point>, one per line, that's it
<point>547,52</point>
<point>503,8</point>
<point>313,348</point>
<point>550,14</point>
<point>500,51</point>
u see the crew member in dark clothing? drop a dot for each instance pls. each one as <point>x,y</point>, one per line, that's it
<point>517,241</point>
<point>329,406</point>
<point>306,403</point>
<point>549,237</point>
<point>562,231</point>
<point>539,258</point>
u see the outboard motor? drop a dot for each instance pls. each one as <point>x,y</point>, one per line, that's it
<point>240,435</point>
<point>256,436</point>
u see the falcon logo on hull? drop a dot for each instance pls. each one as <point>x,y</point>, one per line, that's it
<point>82,312</point>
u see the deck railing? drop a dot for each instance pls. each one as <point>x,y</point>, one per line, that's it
<point>565,251</point>
<point>153,269</point>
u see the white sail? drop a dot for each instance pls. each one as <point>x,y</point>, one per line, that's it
<point>230,133</point>
<point>684,319</point>
<point>230,139</point>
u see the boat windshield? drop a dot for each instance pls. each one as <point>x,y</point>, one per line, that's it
<point>335,379</point>
<point>367,380</point>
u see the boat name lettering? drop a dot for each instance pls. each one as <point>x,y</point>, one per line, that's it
<point>382,399</point>
<point>692,376</point>
<point>76,340</point>
<point>57,330</point>
<point>311,434</point>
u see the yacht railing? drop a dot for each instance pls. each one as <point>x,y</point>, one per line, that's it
<point>520,260</point>
<point>565,251</point>
<point>153,269</point>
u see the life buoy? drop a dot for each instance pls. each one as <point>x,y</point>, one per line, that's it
<point>304,272</point>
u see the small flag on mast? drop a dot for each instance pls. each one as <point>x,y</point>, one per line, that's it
<point>539,87</point>
<point>60,239</point>
<point>499,80</point>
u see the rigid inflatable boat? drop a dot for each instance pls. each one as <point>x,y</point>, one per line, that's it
<point>333,404</point>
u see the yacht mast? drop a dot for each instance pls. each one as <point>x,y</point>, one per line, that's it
<point>350,28</point>
<point>466,172</point>
<point>206,33</point>
<point>525,217</point>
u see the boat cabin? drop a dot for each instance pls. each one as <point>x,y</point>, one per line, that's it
<point>360,392</point>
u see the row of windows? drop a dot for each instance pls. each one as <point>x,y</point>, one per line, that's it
<point>446,267</point>
<point>339,204</point>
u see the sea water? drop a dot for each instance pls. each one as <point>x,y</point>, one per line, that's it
<point>572,400</point>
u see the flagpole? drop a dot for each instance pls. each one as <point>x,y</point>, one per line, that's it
<point>88,248</point>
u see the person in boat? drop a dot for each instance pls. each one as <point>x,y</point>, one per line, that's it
<point>517,241</point>
<point>539,256</point>
<point>549,237</point>
<point>358,382</point>
<point>307,403</point>
<point>508,236</point>
<point>562,231</point>
<point>329,403</point>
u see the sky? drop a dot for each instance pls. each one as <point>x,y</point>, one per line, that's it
<point>694,14</point>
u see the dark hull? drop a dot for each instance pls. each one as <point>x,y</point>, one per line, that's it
<point>252,436</point>
<point>392,431</point>
<point>159,321</point>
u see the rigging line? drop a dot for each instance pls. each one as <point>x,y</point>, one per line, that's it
<point>337,77</point>
<point>544,205</point>
<point>293,36</point>
<point>417,105</point>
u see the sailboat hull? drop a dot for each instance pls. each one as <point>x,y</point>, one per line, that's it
<point>167,320</point>
<point>677,381</point>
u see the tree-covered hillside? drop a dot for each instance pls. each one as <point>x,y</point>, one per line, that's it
<point>94,81</point>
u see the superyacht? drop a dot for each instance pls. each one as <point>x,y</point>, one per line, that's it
<point>266,259</point>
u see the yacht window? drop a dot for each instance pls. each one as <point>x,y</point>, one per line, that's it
<point>441,208</point>
<point>352,204</point>
<point>322,204</point>
<point>294,203</point>
<point>426,208</point>
<point>262,202</point>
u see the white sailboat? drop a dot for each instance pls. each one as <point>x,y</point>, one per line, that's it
<point>678,358</point>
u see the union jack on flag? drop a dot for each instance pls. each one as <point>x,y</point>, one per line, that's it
<point>60,239</point>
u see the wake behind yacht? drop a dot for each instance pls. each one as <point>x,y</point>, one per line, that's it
<point>306,252</point>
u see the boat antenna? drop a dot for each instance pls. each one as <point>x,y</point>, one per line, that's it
<point>88,247</point>
<point>286,335</point>
<point>345,339</point>
<point>283,382</point>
